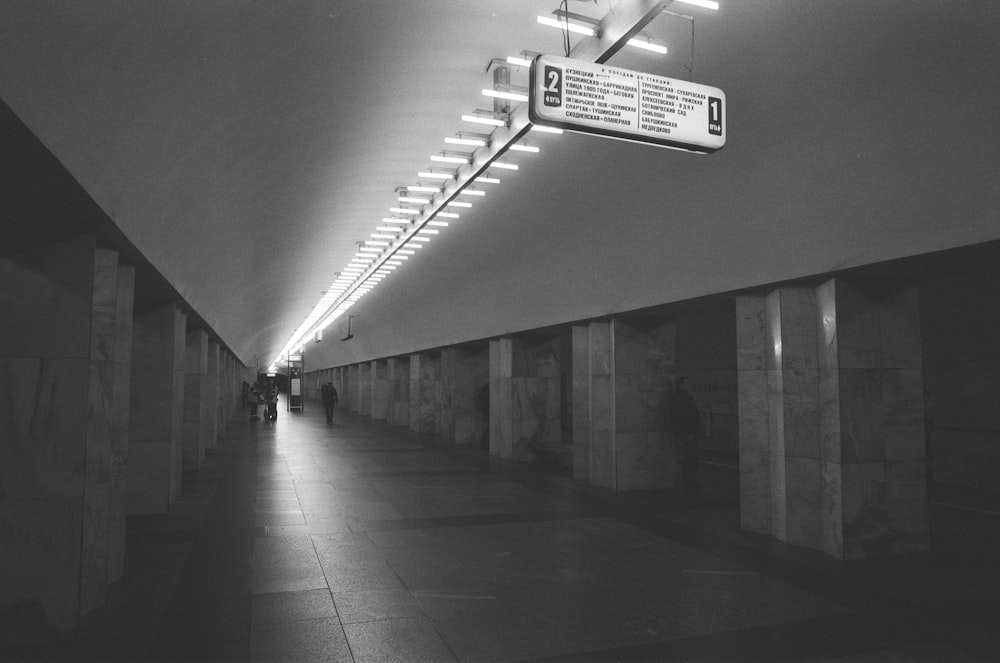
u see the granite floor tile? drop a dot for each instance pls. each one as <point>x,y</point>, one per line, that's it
<point>301,641</point>
<point>292,606</point>
<point>413,640</point>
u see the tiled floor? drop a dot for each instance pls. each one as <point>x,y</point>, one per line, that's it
<point>359,541</point>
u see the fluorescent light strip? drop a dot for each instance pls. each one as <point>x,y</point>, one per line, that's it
<point>504,94</point>
<point>486,179</point>
<point>458,203</point>
<point>428,231</point>
<point>424,189</point>
<point>448,215</point>
<point>485,119</point>
<point>404,210</point>
<point>436,175</point>
<point>420,239</point>
<point>475,142</point>
<point>707,4</point>
<point>564,24</point>
<point>443,224</point>
<point>471,192</point>
<point>647,45</point>
<point>412,199</point>
<point>390,219</point>
<point>523,148</point>
<point>506,165</point>
<point>387,229</point>
<point>520,62</point>
<point>546,130</point>
<point>375,242</point>
<point>447,158</point>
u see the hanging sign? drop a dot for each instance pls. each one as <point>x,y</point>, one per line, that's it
<point>621,103</point>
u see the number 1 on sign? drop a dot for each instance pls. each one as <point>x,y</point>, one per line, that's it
<point>715,116</point>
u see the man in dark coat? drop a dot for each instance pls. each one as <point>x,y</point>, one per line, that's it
<point>685,420</point>
<point>330,400</point>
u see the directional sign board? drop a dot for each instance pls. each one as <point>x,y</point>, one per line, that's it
<point>620,103</point>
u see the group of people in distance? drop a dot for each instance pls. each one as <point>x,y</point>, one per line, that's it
<point>256,395</point>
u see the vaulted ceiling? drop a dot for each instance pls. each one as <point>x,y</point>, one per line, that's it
<point>246,147</point>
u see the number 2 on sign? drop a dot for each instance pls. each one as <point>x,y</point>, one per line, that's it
<point>553,86</point>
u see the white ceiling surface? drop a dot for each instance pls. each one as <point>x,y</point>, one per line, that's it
<point>245,147</point>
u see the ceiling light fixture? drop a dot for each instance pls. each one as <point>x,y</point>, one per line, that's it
<point>513,94</point>
<point>565,24</point>
<point>437,174</point>
<point>486,117</point>
<point>647,45</point>
<point>707,4</point>
<point>412,199</point>
<point>452,157</point>
<point>404,210</point>
<point>474,140</point>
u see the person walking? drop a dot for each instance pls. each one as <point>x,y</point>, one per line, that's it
<point>272,401</point>
<point>330,400</point>
<point>685,420</point>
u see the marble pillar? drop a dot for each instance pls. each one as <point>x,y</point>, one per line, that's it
<point>380,390</point>
<point>525,404</point>
<point>831,418</point>
<point>398,376</point>
<point>465,398</point>
<point>622,376</point>
<point>365,388</point>
<point>119,449</point>
<point>351,389</point>
<point>193,430</point>
<point>644,366</point>
<point>156,411</point>
<point>425,374</point>
<point>213,387</point>
<point>61,380</point>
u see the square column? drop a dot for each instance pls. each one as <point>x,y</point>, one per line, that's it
<point>622,379</point>
<point>380,389</point>
<point>124,315</point>
<point>465,399</point>
<point>194,431</point>
<point>352,389</point>
<point>365,388</point>
<point>398,376</point>
<point>213,393</point>
<point>425,374</point>
<point>61,382</point>
<point>831,418</point>
<point>525,397</point>
<point>155,426</point>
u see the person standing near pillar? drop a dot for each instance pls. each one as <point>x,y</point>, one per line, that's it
<point>330,400</point>
<point>255,399</point>
<point>245,392</point>
<point>685,420</point>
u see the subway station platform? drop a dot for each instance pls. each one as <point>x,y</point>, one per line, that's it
<point>359,541</point>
